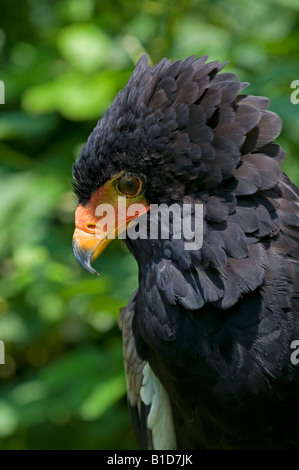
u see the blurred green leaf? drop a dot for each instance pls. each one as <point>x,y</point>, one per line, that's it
<point>292,4</point>
<point>8,420</point>
<point>75,96</point>
<point>102,397</point>
<point>85,46</point>
<point>20,125</point>
<point>13,328</point>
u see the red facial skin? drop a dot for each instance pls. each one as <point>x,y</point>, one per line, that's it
<point>93,233</point>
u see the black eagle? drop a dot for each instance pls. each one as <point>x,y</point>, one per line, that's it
<point>209,334</point>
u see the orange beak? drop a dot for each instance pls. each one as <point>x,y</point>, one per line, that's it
<point>100,221</point>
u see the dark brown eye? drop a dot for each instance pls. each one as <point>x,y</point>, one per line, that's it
<point>129,185</point>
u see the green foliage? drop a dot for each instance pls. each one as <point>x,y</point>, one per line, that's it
<point>62,63</point>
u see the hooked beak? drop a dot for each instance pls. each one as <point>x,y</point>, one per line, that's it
<point>84,247</point>
<point>94,230</point>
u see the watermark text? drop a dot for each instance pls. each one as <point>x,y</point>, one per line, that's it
<point>2,93</point>
<point>295,94</point>
<point>177,222</point>
<point>2,352</point>
<point>295,353</point>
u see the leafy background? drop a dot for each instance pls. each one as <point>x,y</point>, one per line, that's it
<point>62,63</point>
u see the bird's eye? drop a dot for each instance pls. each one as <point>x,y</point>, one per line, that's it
<point>129,185</point>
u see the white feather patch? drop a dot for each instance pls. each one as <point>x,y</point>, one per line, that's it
<point>159,420</point>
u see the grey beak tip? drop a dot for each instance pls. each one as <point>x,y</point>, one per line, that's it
<point>83,258</point>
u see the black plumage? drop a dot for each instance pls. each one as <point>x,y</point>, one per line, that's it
<point>215,325</point>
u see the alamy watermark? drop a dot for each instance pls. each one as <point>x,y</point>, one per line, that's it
<point>2,92</point>
<point>295,353</point>
<point>163,222</point>
<point>2,353</point>
<point>295,95</point>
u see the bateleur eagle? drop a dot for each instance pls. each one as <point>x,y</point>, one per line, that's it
<point>209,334</point>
